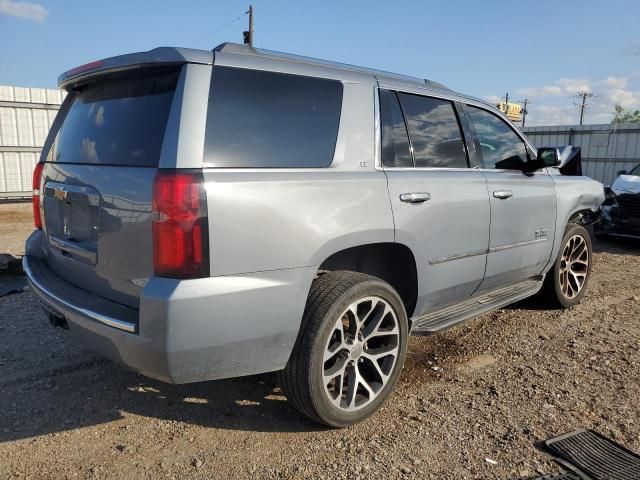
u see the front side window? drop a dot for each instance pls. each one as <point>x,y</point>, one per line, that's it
<point>499,145</point>
<point>395,142</point>
<point>260,119</point>
<point>434,132</point>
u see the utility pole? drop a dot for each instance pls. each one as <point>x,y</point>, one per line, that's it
<point>506,104</point>
<point>525,102</point>
<point>248,34</point>
<point>582,106</point>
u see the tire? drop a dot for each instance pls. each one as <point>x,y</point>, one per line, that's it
<point>330,327</point>
<point>566,283</point>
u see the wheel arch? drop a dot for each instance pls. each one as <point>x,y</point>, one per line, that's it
<point>583,217</point>
<point>392,262</point>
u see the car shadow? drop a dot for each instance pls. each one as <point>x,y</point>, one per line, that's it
<point>617,245</point>
<point>98,391</point>
<point>49,383</point>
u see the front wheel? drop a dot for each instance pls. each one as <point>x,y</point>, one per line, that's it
<point>567,281</point>
<point>350,349</point>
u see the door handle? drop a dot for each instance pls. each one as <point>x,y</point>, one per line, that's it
<point>415,197</point>
<point>503,194</point>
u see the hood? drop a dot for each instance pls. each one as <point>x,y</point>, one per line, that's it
<point>626,184</point>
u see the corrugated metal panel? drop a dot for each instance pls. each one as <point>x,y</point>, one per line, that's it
<point>52,116</point>
<point>41,126</point>
<point>8,127</point>
<point>27,164</point>
<point>6,93</point>
<point>606,149</point>
<point>21,94</point>
<point>39,95</point>
<point>12,175</point>
<point>24,126</point>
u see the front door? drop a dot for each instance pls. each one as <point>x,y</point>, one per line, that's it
<point>523,208</point>
<point>440,205</point>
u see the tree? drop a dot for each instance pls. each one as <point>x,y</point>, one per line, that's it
<point>620,115</point>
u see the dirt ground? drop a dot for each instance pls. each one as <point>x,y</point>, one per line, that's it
<point>16,223</point>
<point>473,402</point>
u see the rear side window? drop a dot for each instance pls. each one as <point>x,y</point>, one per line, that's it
<point>498,142</point>
<point>117,121</point>
<point>259,119</point>
<point>395,142</point>
<point>434,132</point>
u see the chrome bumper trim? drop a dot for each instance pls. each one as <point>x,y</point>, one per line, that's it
<point>54,299</point>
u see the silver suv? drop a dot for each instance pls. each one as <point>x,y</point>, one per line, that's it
<point>202,215</point>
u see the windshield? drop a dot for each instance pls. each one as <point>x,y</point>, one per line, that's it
<point>117,121</point>
<point>635,171</point>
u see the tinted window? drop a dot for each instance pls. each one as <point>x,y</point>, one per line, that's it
<point>265,119</point>
<point>120,121</point>
<point>498,142</point>
<point>635,171</point>
<point>395,142</point>
<point>434,132</point>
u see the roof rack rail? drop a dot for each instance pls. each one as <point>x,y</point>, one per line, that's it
<point>237,48</point>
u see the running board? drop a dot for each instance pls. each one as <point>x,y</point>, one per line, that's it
<point>447,317</point>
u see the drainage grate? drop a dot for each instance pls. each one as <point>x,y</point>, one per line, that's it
<point>557,476</point>
<point>595,457</point>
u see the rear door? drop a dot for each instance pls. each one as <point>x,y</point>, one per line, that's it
<point>440,205</point>
<point>523,208</point>
<point>98,181</point>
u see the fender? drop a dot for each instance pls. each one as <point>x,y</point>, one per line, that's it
<point>579,200</point>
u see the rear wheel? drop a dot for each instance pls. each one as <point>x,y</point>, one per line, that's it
<point>350,350</point>
<point>567,281</point>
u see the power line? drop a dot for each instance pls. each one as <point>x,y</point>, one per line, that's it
<point>222,27</point>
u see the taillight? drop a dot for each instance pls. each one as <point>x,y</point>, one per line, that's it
<point>180,226</point>
<point>37,178</point>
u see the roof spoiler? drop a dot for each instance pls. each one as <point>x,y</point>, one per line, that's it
<point>155,57</point>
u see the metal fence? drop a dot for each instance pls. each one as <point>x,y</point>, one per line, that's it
<point>606,149</point>
<point>26,115</point>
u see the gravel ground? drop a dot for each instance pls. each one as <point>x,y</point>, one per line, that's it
<point>16,223</point>
<point>473,402</point>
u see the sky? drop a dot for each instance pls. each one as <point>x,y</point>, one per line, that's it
<point>545,51</point>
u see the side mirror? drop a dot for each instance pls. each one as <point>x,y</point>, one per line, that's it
<point>547,157</point>
<point>622,172</point>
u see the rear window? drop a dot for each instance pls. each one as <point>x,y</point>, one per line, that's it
<point>117,121</point>
<point>259,119</point>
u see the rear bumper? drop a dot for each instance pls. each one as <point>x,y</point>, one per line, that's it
<point>190,330</point>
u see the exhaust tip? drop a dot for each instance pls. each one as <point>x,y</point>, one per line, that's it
<point>58,321</point>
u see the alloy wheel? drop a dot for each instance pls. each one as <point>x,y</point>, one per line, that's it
<point>574,266</point>
<point>361,353</point>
